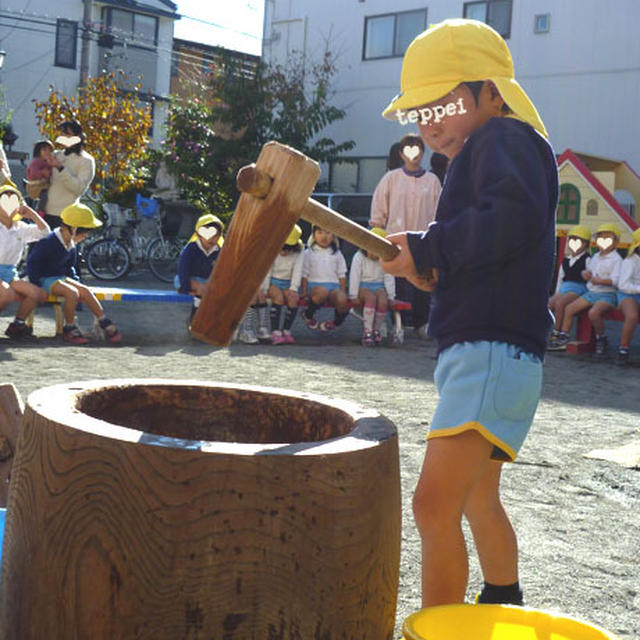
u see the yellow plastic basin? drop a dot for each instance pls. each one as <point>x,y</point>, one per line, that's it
<point>496,622</point>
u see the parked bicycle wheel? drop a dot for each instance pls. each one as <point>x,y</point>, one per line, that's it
<point>162,257</point>
<point>107,259</point>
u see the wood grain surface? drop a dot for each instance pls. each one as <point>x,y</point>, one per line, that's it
<point>129,518</point>
<point>11,411</point>
<point>257,232</point>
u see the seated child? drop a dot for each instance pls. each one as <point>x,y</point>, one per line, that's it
<point>601,276</point>
<point>50,265</point>
<point>570,284</point>
<point>14,235</point>
<point>372,288</point>
<point>324,279</point>
<point>281,285</point>
<point>629,297</point>
<point>39,172</point>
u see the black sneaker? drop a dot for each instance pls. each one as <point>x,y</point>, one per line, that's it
<point>601,346</point>
<point>19,331</point>
<point>559,342</point>
<point>623,357</point>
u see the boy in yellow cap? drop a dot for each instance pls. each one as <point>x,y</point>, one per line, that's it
<point>628,297</point>
<point>601,275</point>
<point>571,284</point>
<point>492,246</point>
<point>50,265</point>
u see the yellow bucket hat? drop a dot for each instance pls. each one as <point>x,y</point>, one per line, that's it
<point>79,215</point>
<point>9,187</point>
<point>580,231</point>
<point>294,236</point>
<point>456,51</point>
<point>610,227</point>
<point>205,220</point>
<point>636,242</point>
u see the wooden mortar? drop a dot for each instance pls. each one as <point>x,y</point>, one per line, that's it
<point>172,510</point>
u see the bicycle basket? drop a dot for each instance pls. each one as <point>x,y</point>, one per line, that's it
<point>146,206</point>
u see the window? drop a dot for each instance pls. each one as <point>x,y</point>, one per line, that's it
<point>139,29</point>
<point>389,35</point>
<point>542,23</point>
<point>66,43</point>
<point>592,207</point>
<point>568,205</point>
<point>359,175</point>
<point>496,13</point>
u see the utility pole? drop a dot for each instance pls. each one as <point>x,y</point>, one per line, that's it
<point>86,42</point>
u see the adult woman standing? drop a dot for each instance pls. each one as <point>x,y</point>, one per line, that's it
<point>73,172</point>
<point>5,171</point>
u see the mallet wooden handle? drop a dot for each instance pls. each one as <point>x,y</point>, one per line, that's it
<point>257,183</point>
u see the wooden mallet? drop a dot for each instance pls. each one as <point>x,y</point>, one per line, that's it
<point>275,194</point>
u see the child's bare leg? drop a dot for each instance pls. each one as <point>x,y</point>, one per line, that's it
<point>629,308</point>
<point>338,299</point>
<point>382,302</point>
<point>596,316</point>
<point>452,467</point>
<point>87,296</point>
<point>573,309</point>
<point>7,294</point>
<point>559,306</point>
<point>70,294</point>
<point>493,534</point>
<point>30,295</point>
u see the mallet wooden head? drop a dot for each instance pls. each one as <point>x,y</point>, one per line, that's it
<point>275,193</point>
<point>258,230</point>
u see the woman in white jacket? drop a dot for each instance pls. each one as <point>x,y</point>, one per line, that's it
<point>74,170</point>
<point>5,171</point>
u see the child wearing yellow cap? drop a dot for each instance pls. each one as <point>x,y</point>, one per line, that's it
<point>570,284</point>
<point>14,236</point>
<point>492,246</point>
<point>601,275</point>
<point>281,285</point>
<point>372,288</point>
<point>51,266</point>
<point>628,297</point>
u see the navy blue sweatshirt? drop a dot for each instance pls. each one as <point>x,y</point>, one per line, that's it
<point>48,258</point>
<point>194,263</point>
<point>493,240</point>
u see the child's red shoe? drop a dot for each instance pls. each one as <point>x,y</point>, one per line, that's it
<point>72,335</point>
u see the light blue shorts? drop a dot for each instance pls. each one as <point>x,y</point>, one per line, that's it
<point>281,283</point>
<point>176,280</point>
<point>491,387</point>
<point>607,296</point>
<point>372,286</point>
<point>8,272</point>
<point>330,286</point>
<point>623,296</point>
<point>579,288</point>
<point>47,283</point>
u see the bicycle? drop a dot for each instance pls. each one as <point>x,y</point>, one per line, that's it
<point>112,258</point>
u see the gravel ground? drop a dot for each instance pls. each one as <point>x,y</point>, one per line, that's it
<point>577,518</point>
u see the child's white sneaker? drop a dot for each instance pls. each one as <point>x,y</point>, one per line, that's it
<point>263,334</point>
<point>248,336</point>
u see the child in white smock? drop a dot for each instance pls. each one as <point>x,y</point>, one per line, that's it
<point>324,279</point>
<point>372,288</point>
<point>14,236</point>
<point>628,297</point>
<point>281,285</point>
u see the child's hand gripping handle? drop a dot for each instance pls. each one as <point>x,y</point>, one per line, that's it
<point>251,180</point>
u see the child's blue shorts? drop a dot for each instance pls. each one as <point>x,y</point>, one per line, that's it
<point>597,296</point>
<point>331,286</point>
<point>623,296</point>
<point>491,387</point>
<point>579,288</point>
<point>47,283</point>
<point>8,272</point>
<point>281,283</point>
<point>176,280</point>
<point>372,286</point>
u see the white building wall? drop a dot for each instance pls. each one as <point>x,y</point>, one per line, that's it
<point>29,68</point>
<point>583,75</point>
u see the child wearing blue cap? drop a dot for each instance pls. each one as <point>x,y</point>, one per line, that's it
<point>491,250</point>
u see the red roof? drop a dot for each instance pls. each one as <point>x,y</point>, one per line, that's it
<point>602,191</point>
